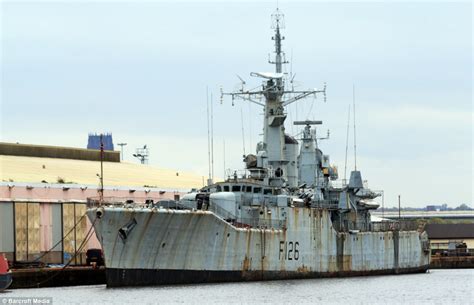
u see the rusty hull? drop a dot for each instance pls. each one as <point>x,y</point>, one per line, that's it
<point>182,246</point>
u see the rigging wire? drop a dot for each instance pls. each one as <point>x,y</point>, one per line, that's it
<point>224,163</point>
<point>78,251</point>
<point>296,116</point>
<point>242,124</point>
<point>355,139</point>
<point>61,240</point>
<point>212,139</point>
<point>250,127</point>
<point>347,142</point>
<point>310,108</point>
<point>208,134</point>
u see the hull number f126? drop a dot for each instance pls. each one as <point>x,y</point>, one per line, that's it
<point>289,250</point>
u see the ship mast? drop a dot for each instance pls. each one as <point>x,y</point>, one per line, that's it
<point>270,152</point>
<point>277,23</point>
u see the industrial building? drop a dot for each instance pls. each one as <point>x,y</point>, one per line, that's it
<point>44,191</point>
<point>447,236</point>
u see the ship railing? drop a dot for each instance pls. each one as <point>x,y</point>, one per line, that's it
<point>351,226</point>
<point>402,225</point>
<point>221,212</point>
<point>339,184</point>
<point>132,202</point>
<point>324,204</point>
<point>259,223</point>
<point>385,226</point>
<point>342,183</point>
<point>95,202</point>
<point>237,174</point>
<point>250,174</point>
<point>245,222</point>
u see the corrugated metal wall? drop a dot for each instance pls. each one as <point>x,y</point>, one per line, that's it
<point>74,214</point>
<point>7,243</point>
<point>21,231</point>
<point>81,231</point>
<point>27,230</point>
<point>46,226</point>
<point>34,240</point>
<point>51,232</point>
<point>57,230</point>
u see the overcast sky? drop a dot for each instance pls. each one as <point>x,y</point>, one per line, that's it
<point>140,71</point>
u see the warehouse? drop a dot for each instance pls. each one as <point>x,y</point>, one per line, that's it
<point>44,191</point>
<point>444,237</point>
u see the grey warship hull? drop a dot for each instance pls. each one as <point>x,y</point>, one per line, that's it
<point>183,246</point>
<point>285,217</point>
<point>145,277</point>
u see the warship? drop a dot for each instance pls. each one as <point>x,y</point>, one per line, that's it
<point>287,215</point>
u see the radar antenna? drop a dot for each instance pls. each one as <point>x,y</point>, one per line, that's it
<point>278,22</point>
<point>276,98</point>
<point>276,78</point>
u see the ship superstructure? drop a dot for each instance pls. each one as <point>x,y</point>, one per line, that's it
<point>282,217</point>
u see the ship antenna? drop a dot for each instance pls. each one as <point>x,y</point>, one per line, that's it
<point>347,142</point>
<point>243,133</point>
<point>208,137</point>
<point>292,77</point>
<point>278,23</point>
<point>355,139</point>
<point>273,89</point>
<point>212,140</point>
<point>224,162</point>
<point>250,128</point>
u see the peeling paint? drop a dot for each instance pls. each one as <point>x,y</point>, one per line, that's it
<point>199,240</point>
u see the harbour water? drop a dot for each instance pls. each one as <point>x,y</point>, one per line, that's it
<point>445,286</point>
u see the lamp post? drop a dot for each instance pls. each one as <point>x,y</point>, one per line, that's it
<point>121,149</point>
<point>142,154</point>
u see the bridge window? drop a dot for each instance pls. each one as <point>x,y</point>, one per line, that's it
<point>226,188</point>
<point>248,189</point>
<point>236,188</point>
<point>218,188</point>
<point>267,191</point>
<point>257,190</point>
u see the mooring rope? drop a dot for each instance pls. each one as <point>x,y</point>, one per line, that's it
<point>78,251</point>
<point>61,240</point>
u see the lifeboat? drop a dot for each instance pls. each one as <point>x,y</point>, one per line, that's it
<point>5,273</point>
